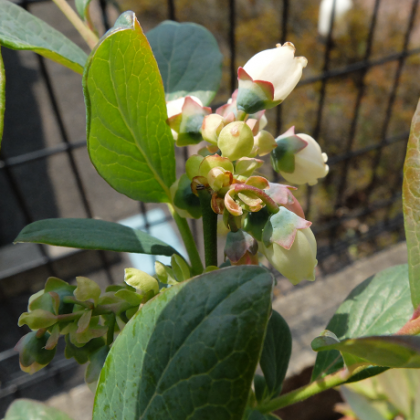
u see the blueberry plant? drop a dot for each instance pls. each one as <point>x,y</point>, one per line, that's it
<point>186,342</point>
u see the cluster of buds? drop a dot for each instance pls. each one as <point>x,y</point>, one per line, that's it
<point>260,215</point>
<point>87,318</point>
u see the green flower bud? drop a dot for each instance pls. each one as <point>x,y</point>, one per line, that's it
<point>192,165</point>
<point>32,353</point>
<point>211,128</point>
<point>236,140</point>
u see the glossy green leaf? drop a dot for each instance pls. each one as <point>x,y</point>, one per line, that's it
<point>129,142</point>
<point>411,206</point>
<point>399,351</point>
<point>93,234</point>
<point>189,60</point>
<point>276,353</point>
<point>378,306</point>
<point>193,358</point>
<point>118,387</point>
<point>19,30</point>
<point>24,409</point>
<point>2,96</point>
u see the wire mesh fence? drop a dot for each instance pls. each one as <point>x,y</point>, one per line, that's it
<point>355,211</point>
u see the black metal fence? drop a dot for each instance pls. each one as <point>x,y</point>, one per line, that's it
<point>371,213</point>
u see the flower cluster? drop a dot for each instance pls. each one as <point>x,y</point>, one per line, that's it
<point>261,216</point>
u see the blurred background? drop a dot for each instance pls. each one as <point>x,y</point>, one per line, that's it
<point>356,98</point>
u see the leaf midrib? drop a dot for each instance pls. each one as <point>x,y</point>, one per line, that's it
<point>148,163</point>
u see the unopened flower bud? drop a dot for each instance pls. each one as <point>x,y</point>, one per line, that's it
<point>268,78</point>
<point>264,143</point>
<point>192,165</point>
<point>241,248</point>
<point>211,128</point>
<point>290,246</point>
<point>32,353</point>
<point>236,140</point>
<point>219,178</point>
<point>214,161</point>
<point>246,166</point>
<point>299,164</point>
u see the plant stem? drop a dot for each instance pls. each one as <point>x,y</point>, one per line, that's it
<point>330,381</point>
<point>185,231</point>
<point>209,227</point>
<point>90,38</point>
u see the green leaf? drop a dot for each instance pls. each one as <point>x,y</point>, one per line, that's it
<point>399,351</point>
<point>19,30</point>
<point>378,306</point>
<point>276,353</point>
<point>24,409</point>
<point>93,234</point>
<point>2,96</point>
<point>189,60</point>
<point>129,142</point>
<point>192,350</point>
<point>411,206</point>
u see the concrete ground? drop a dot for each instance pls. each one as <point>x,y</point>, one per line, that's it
<point>307,311</point>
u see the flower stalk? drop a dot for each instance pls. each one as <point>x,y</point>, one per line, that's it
<point>209,227</point>
<point>90,38</point>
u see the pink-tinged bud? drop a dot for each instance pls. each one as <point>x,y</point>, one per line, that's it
<point>258,182</point>
<point>241,248</point>
<point>236,140</point>
<point>186,124</point>
<point>246,166</point>
<point>229,110</point>
<point>214,161</point>
<point>211,128</point>
<point>282,196</point>
<point>290,246</point>
<point>219,178</point>
<point>264,143</point>
<point>192,165</point>
<point>299,159</point>
<point>268,78</point>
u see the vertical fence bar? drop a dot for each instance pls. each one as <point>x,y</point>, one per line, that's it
<point>391,100</point>
<point>318,122</point>
<point>356,109</point>
<point>171,10</point>
<point>104,14</point>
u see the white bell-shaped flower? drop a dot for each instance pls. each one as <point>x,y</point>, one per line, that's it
<point>268,78</point>
<point>310,163</point>
<point>278,66</point>
<point>297,263</point>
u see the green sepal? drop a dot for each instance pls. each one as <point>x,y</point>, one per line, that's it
<point>254,223</point>
<point>39,318</point>
<point>283,156</point>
